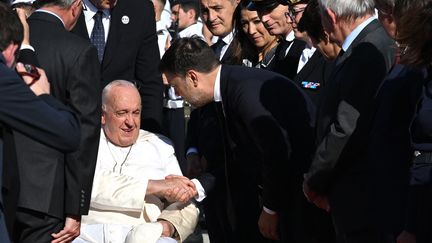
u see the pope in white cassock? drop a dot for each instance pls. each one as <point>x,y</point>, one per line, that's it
<point>129,201</point>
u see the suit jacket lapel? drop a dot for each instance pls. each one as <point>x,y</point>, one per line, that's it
<point>344,55</point>
<point>368,29</point>
<point>309,67</point>
<point>113,36</point>
<point>228,53</point>
<point>81,28</point>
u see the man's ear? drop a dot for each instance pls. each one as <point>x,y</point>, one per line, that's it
<point>191,14</point>
<point>76,8</point>
<point>103,118</point>
<point>193,77</point>
<point>332,16</point>
<point>9,54</point>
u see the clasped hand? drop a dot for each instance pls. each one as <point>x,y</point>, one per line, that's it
<point>179,189</point>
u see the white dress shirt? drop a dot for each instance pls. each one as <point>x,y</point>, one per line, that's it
<point>356,31</point>
<point>227,40</point>
<point>89,12</point>
<point>307,53</point>
<point>194,29</point>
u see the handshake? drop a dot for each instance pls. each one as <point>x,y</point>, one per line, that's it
<point>174,188</point>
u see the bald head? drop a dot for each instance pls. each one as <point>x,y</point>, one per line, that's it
<point>121,111</point>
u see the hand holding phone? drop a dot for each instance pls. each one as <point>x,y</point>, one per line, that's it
<point>34,77</point>
<point>30,71</point>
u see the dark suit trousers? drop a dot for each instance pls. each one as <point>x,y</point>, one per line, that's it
<point>35,227</point>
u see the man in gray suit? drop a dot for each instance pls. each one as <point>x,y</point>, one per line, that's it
<point>343,178</point>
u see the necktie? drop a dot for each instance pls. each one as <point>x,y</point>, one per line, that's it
<point>98,35</point>
<point>217,47</point>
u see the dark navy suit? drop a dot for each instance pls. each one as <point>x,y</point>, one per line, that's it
<point>42,118</point>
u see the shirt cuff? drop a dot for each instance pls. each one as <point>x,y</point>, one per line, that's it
<point>269,211</point>
<point>25,46</point>
<point>201,192</point>
<point>192,150</point>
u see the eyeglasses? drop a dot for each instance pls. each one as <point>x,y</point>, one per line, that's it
<point>292,12</point>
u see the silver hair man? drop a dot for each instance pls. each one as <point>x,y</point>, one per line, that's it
<point>348,9</point>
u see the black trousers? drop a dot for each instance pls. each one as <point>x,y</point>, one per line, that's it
<point>35,227</point>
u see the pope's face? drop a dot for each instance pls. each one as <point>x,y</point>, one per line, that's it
<point>121,118</point>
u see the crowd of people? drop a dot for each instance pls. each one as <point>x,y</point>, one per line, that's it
<point>310,121</point>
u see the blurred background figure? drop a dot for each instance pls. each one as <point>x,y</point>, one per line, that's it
<point>385,15</point>
<point>311,24</point>
<point>261,46</point>
<point>273,13</point>
<point>413,19</point>
<point>313,69</point>
<point>185,14</point>
<point>28,5</point>
<point>161,28</point>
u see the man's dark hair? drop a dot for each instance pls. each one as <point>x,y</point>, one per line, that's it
<point>385,5</point>
<point>311,21</point>
<point>414,31</point>
<point>11,29</point>
<point>186,54</point>
<point>191,4</point>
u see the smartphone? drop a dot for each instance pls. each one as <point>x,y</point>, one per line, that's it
<point>31,71</point>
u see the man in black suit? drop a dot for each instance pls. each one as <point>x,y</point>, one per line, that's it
<point>129,49</point>
<point>273,13</point>
<point>35,114</point>
<point>56,187</point>
<point>343,179</point>
<point>267,127</point>
<point>204,143</point>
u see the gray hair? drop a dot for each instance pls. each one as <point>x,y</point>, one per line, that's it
<point>349,9</point>
<point>59,3</point>
<point>110,86</point>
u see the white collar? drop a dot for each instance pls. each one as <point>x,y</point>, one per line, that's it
<point>90,10</point>
<point>290,37</point>
<point>228,38</point>
<point>356,31</point>
<point>217,91</point>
